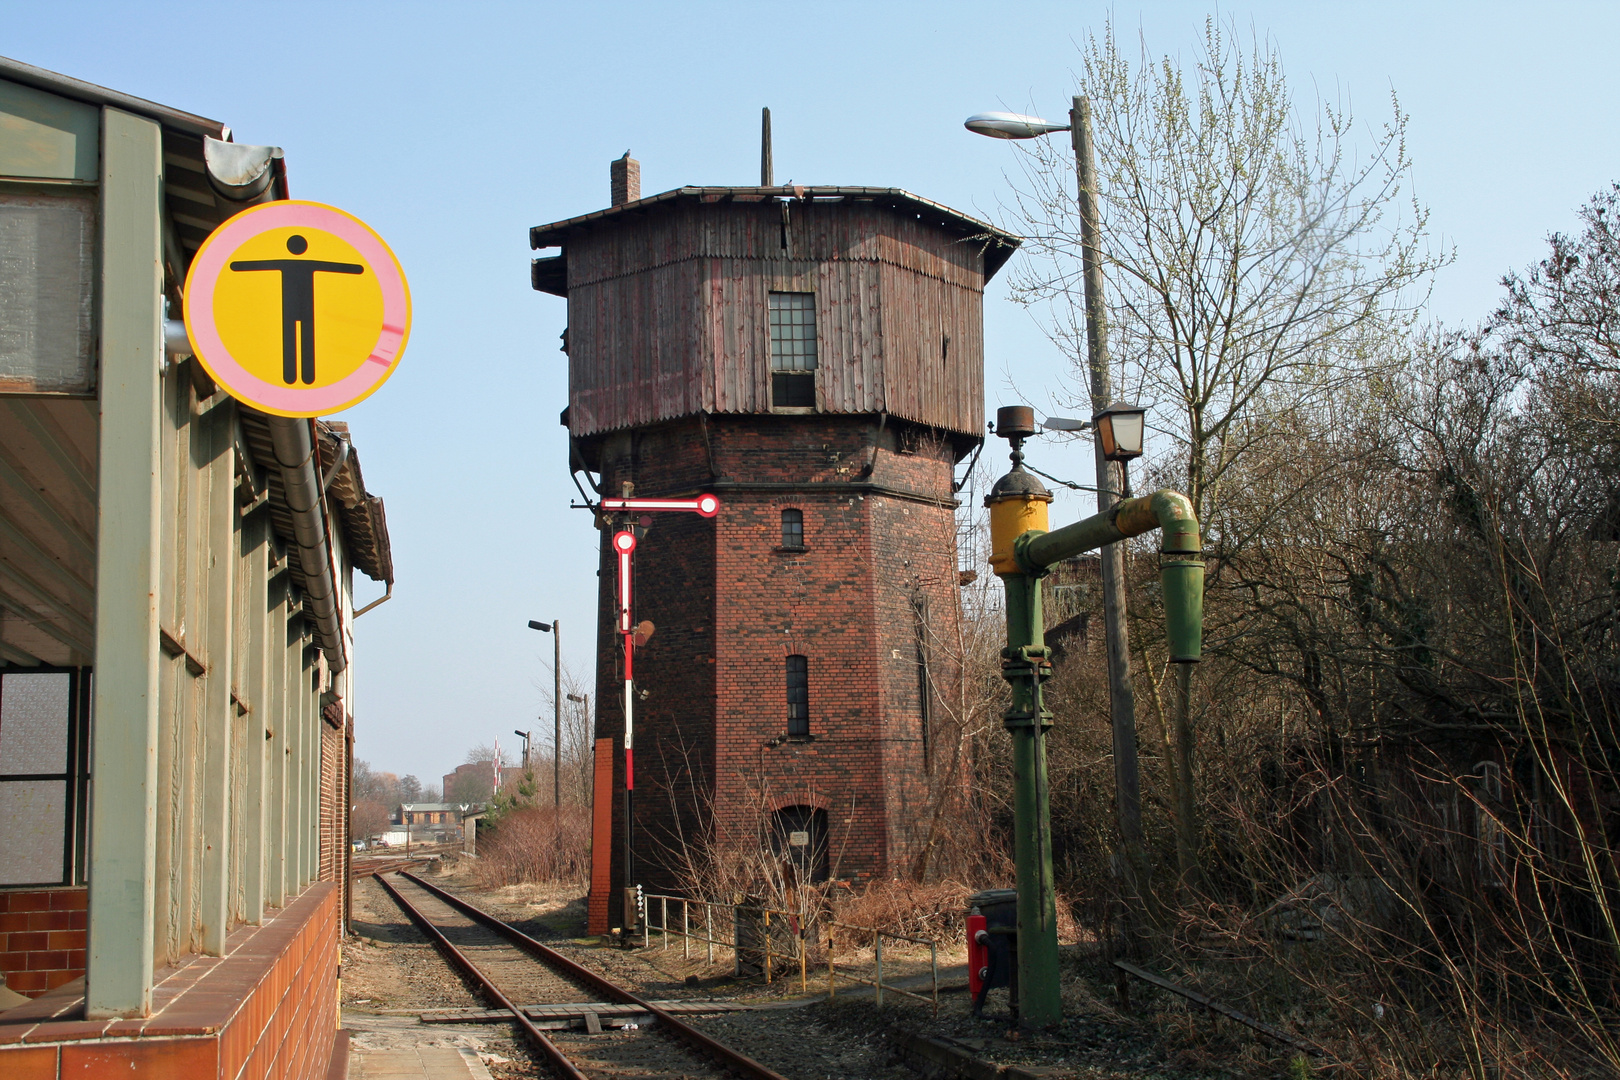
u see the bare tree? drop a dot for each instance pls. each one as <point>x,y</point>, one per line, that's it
<point>1252,255</point>
<point>578,738</point>
<point>1256,262</point>
<point>484,752</point>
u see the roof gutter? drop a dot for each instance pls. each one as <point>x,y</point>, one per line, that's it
<point>295,456</point>
<point>249,175</point>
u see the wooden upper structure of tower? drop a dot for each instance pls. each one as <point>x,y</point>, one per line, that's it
<point>669,304</point>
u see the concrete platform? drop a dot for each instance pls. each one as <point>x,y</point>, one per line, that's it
<point>417,1063</point>
<point>402,1048</point>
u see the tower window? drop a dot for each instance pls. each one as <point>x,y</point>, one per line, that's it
<point>793,349</point>
<point>798,695</point>
<point>793,528</point>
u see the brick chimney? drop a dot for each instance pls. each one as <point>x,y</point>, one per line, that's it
<point>625,179</point>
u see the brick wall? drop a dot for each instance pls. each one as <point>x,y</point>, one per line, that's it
<point>268,1008</point>
<point>42,938</point>
<point>877,573</point>
<point>597,919</point>
<point>333,833</point>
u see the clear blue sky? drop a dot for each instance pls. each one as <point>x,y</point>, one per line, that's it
<point>452,128</point>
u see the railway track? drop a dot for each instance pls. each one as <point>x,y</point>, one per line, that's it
<point>372,868</point>
<point>516,972</point>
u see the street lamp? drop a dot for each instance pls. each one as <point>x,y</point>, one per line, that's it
<point>554,628</point>
<point>1120,428</point>
<point>1041,1003</point>
<point>524,735</point>
<point>1009,125</point>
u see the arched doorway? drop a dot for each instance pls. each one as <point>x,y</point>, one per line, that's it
<point>799,838</point>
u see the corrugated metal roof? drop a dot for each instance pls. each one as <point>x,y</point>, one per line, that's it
<point>365,526</point>
<point>999,244</point>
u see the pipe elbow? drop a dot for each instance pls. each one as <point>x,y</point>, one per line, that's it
<point>1178,524</point>
<point>1169,511</point>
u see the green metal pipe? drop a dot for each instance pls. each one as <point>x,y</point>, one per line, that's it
<point>1182,577</point>
<point>1021,560</point>
<point>1025,665</point>
<point>1167,510</point>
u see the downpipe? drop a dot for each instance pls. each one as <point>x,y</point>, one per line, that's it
<point>295,456</point>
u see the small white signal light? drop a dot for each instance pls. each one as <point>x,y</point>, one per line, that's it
<point>708,505</point>
<point>624,542</point>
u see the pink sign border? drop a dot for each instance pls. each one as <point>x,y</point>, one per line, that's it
<point>281,400</point>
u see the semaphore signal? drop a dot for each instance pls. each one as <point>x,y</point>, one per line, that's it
<point>624,546</point>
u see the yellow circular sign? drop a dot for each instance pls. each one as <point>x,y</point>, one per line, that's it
<point>297,308</point>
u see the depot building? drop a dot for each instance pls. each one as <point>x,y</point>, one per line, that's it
<point>176,623</point>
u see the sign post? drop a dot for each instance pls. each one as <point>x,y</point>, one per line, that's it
<point>624,545</point>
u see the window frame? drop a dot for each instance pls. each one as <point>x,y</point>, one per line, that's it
<point>797,520</point>
<point>75,775</point>
<point>794,356</point>
<point>798,711</point>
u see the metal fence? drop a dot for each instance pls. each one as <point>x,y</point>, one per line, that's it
<point>877,980</point>
<point>746,920</point>
<point>747,928</point>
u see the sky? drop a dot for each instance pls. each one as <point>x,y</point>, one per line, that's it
<point>453,128</point>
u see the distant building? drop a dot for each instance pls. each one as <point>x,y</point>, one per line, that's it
<point>475,781</point>
<point>428,813</point>
<point>431,822</point>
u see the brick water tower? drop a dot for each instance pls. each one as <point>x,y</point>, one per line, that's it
<point>814,357</point>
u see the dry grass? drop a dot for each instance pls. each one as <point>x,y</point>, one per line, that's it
<point>936,911</point>
<point>536,845</point>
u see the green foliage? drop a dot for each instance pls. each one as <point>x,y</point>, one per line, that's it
<point>509,800</point>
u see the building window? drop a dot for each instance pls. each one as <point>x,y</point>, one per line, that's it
<point>793,350</point>
<point>798,695</point>
<point>793,528</point>
<point>43,776</point>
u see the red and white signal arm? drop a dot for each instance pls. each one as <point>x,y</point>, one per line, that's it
<point>623,544</point>
<point>706,504</point>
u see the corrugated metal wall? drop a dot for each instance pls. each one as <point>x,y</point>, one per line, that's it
<point>237,713</point>
<point>667,313</point>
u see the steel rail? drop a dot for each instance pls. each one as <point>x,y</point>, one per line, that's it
<point>543,1044</point>
<point>688,1034</point>
<point>387,868</point>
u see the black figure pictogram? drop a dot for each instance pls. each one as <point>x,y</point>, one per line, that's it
<point>298,305</point>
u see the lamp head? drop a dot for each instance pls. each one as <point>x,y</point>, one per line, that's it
<point>1120,428</point>
<point>535,624</point>
<point>1006,125</point>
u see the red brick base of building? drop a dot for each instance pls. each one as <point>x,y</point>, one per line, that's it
<point>42,938</point>
<point>267,1008</point>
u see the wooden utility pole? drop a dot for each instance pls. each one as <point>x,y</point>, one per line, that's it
<point>1110,483</point>
<point>556,714</point>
